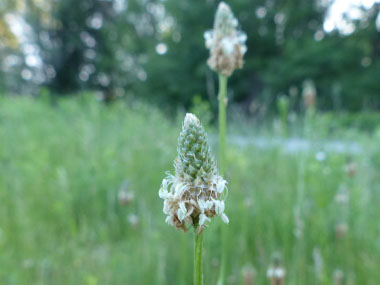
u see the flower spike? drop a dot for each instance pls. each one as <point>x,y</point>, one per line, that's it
<point>195,194</point>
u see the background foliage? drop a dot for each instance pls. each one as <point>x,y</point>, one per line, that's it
<point>154,50</point>
<point>61,221</point>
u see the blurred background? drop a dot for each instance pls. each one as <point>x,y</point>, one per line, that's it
<point>92,96</point>
<point>154,50</point>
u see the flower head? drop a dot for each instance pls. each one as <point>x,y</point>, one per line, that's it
<point>195,194</point>
<point>226,44</point>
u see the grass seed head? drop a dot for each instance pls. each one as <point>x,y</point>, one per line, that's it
<point>196,192</point>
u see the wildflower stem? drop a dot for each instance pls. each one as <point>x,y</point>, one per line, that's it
<point>222,163</point>
<point>222,122</point>
<point>198,249</point>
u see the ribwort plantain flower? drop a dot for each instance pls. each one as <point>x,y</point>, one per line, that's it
<point>196,192</point>
<point>226,44</point>
<point>125,195</point>
<point>276,273</point>
<point>248,273</point>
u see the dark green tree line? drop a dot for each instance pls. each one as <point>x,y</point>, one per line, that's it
<point>155,50</point>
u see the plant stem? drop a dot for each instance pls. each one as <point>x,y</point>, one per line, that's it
<point>222,122</point>
<point>222,163</point>
<point>198,249</point>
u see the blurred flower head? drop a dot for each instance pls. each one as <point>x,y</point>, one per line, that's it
<point>133,220</point>
<point>248,274</point>
<point>276,272</point>
<point>125,195</point>
<point>350,168</point>
<point>338,277</point>
<point>341,230</point>
<point>318,263</point>
<point>342,196</point>
<point>195,194</point>
<point>309,93</point>
<point>226,44</point>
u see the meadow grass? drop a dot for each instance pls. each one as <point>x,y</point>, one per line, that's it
<point>61,168</point>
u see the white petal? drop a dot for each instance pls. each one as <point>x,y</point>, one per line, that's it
<point>279,272</point>
<point>225,218</point>
<point>163,193</point>
<point>179,188</point>
<point>209,205</point>
<point>181,215</point>
<point>270,272</point>
<point>243,49</point>
<point>183,207</point>
<point>209,39</point>
<point>168,220</point>
<point>221,185</point>
<point>235,22</point>
<point>166,207</point>
<point>219,207</point>
<point>203,218</point>
<point>228,46</point>
<point>242,37</point>
<point>202,205</point>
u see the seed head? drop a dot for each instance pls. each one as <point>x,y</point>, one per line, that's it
<point>341,230</point>
<point>350,168</point>
<point>276,273</point>
<point>195,194</point>
<point>125,195</point>
<point>226,44</point>
<point>309,94</point>
<point>133,220</point>
<point>318,263</point>
<point>248,273</point>
<point>338,277</point>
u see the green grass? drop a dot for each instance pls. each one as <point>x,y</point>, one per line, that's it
<point>60,221</point>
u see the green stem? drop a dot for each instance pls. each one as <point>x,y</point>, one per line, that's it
<point>222,122</point>
<point>222,163</point>
<point>198,246</point>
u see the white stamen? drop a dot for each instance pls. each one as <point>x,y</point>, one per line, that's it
<point>202,219</point>
<point>202,205</point>
<point>163,193</point>
<point>221,185</point>
<point>183,207</point>
<point>228,45</point>
<point>181,214</point>
<point>219,207</point>
<point>209,205</point>
<point>225,218</point>
<point>209,38</point>
<point>169,219</point>
<point>279,272</point>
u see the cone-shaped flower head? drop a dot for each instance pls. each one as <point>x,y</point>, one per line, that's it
<point>226,44</point>
<point>196,192</point>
